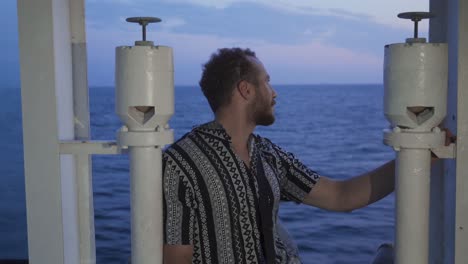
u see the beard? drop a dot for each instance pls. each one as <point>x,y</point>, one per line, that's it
<point>263,113</point>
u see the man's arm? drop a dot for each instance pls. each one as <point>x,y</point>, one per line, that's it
<point>357,192</point>
<point>353,193</point>
<point>178,254</point>
<point>178,211</point>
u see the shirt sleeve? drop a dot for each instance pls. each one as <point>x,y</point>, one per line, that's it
<point>179,208</point>
<point>296,179</point>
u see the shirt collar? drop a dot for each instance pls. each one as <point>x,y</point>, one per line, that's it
<point>217,130</point>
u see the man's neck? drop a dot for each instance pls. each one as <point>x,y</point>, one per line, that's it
<point>237,127</point>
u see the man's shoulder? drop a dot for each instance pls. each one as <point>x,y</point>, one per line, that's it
<point>176,146</point>
<point>210,130</point>
<point>183,141</point>
<point>268,147</point>
<point>264,143</point>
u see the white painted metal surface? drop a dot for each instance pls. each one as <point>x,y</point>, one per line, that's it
<point>144,77</point>
<point>145,102</point>
<point>415,83</point>
<point>440,244</point>
<point>83,168</point>
<point>146,204</point>
<point>415,75</point>
<point>458,56</point>
<point>413,166</point>
<point>412,206</point>
<point>85,148</point>
<point>65,117</point>
<point>47,107</point>
<point>450,217</point>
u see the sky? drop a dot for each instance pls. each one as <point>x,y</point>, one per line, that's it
<point>299,41</point>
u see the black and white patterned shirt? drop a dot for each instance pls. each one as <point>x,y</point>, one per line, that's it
<point>211,198</point>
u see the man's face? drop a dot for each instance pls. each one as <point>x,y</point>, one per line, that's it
<point>262,107</point>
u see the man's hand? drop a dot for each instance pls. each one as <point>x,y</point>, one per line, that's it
<point>178,254</point>
<point>449,139</point>
<point>356,192</point>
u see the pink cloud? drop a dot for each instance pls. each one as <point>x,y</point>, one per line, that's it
<point>301,60</point>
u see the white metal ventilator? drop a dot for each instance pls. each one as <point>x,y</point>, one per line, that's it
<point>415,102</point>
<point>144,77</point>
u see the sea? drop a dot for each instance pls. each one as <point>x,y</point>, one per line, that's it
<point>334,129</point>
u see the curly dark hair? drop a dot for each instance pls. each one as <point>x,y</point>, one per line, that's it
<point>225,69</point>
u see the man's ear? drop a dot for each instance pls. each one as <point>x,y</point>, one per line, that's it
<point>245,90</point>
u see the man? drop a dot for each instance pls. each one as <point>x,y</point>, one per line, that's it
<point>223,184</point>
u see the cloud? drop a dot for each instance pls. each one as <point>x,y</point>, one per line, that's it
<point>382,12</point>
<point>124,2</point>
<point>219,4</point>
<point>307,59</point>
<point>171,23</point>
<point>320,34</point>
<point>313,52</point>
<point>319,54</point>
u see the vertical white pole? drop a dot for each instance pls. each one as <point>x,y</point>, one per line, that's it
<point>455,172</point>
<point>65,117</point>
<point>415,75</point>
<point>41,153</point>
<point>458,57</point>
<point>87,246</point>
<point>83,170</point>
<point>80,74</point>
<point>412,206</point>
<point>145,103</point>
<point>146,193</point>
<point>438,240</point>
<point>46,88</point>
